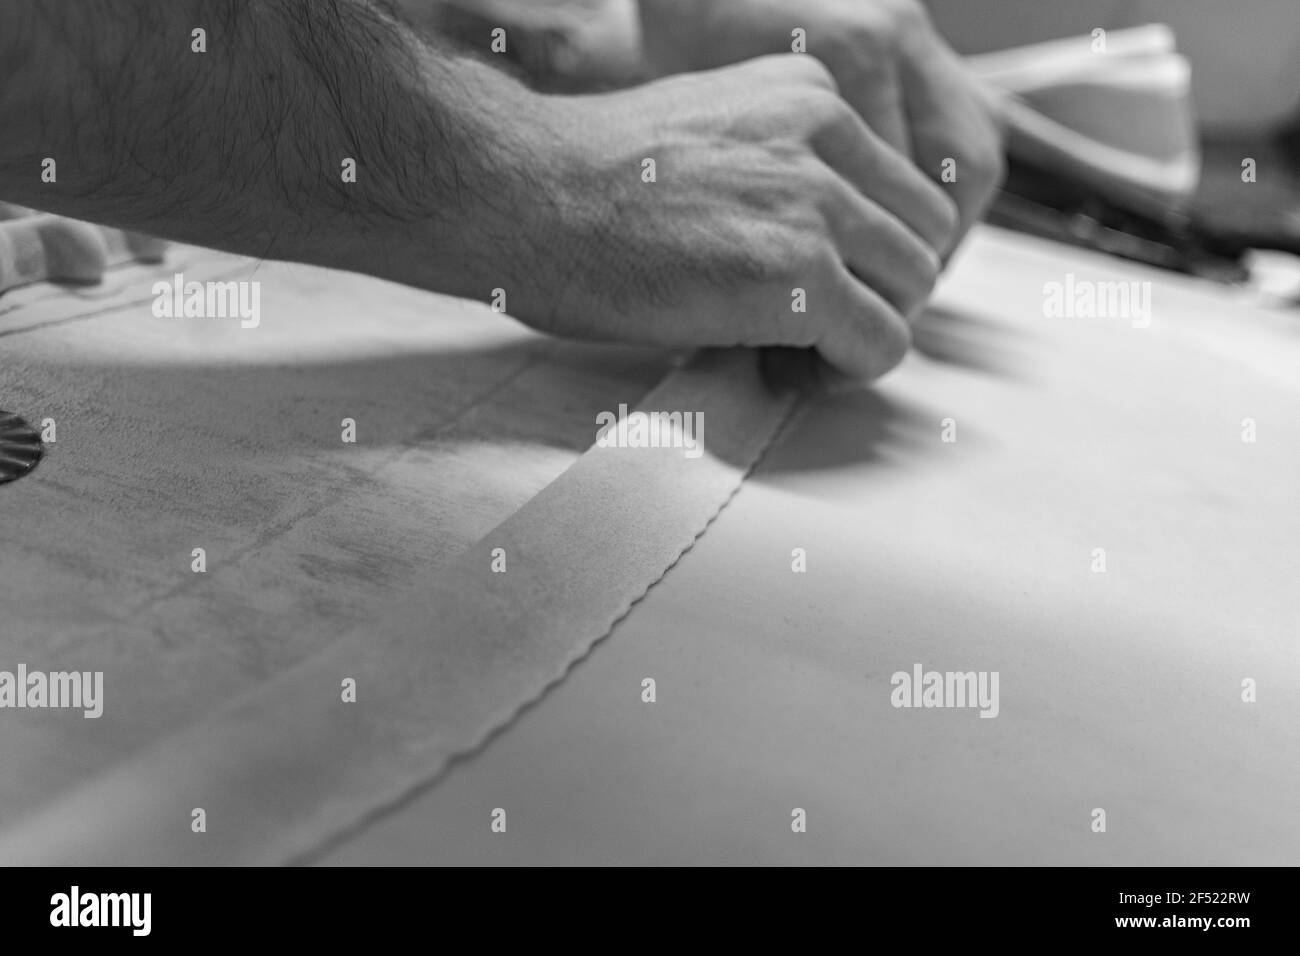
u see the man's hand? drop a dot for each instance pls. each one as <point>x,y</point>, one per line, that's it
<point>766,183</point>
<point>776,216</point>
<point>890,64</point>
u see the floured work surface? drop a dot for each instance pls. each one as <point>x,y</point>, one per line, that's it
<point>1118,690</point>
<point>181,433</point>
<point>315,753</point>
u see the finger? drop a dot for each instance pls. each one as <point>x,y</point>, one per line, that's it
<point>22,254</point>
<point>44,247</point>
<point>879,101</point>
<point>808,68</point>
<point>849,147</point>
<point>865,337</point>
<point>146,248</point>
<point>791,68</point>
<point>951,120</point>
<point>883,252</point>
<point>75,251</point>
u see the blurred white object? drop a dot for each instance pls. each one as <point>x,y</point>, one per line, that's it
<point>1245,54</point>
<point>1119,117</point>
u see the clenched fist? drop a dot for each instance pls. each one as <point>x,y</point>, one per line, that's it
<point>891,65</point>
<point>776,216</point>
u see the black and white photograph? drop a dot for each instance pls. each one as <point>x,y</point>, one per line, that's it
<point>650,433</point>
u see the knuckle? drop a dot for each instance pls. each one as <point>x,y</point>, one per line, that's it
<point>906,14</point>
<point>782,254</point>
<point>814,71</point>
<point>886,20</point>
<point>827,110</point>
<point>810,102</point>
<point>865,39</point>
<point>840,111</point>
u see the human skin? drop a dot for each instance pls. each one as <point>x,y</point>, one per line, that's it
<point>768,181</point>
<point>890,63</point>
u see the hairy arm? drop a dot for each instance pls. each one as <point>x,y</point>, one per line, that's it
<point>886,57</point>
<point>686,212</point>
<point>242,147</point>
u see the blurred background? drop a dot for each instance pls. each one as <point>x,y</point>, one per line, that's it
<point>1245,54</point>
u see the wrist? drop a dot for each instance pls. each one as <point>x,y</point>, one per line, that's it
<point>472,215</point>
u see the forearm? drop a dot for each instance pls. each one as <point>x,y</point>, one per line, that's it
<point>242,147</point>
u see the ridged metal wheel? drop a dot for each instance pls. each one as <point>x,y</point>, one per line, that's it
<point>20,447</point>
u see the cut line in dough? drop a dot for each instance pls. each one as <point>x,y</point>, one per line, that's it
<point>290,767</point>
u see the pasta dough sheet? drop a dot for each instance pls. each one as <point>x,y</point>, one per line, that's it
<point>175,434</point>
<point>1119,691</point>
<point>294,764</point>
